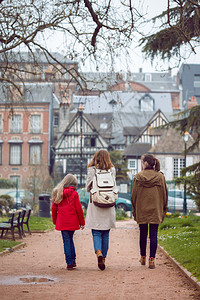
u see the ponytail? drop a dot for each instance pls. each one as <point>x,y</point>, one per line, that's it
<point>152,161</point>
<point>157,165</point>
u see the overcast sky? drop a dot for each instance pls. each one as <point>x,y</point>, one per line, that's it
<point>137,59</point>
<point>153,8</point>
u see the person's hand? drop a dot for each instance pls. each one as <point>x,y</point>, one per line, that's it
<point>82,227</point>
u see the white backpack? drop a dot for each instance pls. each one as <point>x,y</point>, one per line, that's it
<point>104,192</point>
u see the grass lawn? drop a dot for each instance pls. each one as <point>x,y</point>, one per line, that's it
<point>40,223</point>
<point>180,237</point>
<point>4,244</point>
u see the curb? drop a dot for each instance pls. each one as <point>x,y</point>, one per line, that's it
<point>191,278</point>
<point>44,231</point>
<point>10,250</point>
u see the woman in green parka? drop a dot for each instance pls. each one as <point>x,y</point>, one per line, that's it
<point>149,200</point>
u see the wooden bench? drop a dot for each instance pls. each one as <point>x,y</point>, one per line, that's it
<point>11,224</point>
<point>24,220</point>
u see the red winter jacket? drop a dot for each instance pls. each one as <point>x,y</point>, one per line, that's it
<point>68,214</point>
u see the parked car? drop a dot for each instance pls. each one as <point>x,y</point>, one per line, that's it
<point>19,197</point>
<point>175,201</point>
<point>121,203</point>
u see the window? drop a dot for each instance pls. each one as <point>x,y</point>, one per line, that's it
<point>132,164</point>
<point>55,120</point>
<point>35,123</point>
<point>35,154</point>
<point>16,124</point>
<point>103,126</point>
<point>197,80</point>
<point>146,104</point>
<point>43,69</point>
<point>0,123</point>
<point>90,142</point>
<point>178,166</point>
<point>147,77</point>
<point>15,154</point>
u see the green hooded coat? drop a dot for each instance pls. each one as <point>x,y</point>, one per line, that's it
<point>149,197</point>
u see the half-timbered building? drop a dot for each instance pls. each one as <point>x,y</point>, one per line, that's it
<point>151,133</point>
<point>76,147</point>
<point>143,142</point>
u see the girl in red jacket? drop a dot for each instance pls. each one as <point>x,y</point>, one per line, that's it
<point>67,215</point>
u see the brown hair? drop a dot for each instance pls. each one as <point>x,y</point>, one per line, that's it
<point>101,160</point>
<point>68,180</point>
<point>152,161</point>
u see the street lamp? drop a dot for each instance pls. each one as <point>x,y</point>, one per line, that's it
<point>80,110</point>
<point>185,138</point>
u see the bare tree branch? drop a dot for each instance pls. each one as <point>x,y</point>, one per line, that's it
<point>92,30</point>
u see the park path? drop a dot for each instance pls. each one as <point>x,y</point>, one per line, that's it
<point>124,277</point>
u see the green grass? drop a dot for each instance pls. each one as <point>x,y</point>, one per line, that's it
<point>180,237</point>
<point>4,244</point>
<point>121,215</point>
<point>36,223</point>
<point>40,223</point>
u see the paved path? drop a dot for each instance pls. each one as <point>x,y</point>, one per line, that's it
<point>124,277</point>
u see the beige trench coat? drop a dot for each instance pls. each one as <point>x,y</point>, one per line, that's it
<point>97,217</point>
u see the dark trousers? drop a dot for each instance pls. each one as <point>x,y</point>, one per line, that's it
<point>153,232</point>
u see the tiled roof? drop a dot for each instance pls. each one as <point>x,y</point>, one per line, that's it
<point>27,57</point>
<point>33,92</point>
<point>171,141</point>
<point>39,92</point>
<point>136,149</point>
<point>159,81</point>
<point>133,131</point>
<point>127,102</point>
<point>103,123</point>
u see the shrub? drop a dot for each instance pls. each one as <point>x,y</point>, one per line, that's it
<point>120,214</point>
<point>6,183</point>
<point>6,203</point>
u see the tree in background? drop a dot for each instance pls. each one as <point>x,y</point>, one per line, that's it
<point>38,182</point>
<point>99,30</point>
<point>120,165</point>
<point>6,183</point>
<point>6,203</point>
<point>179,25</point>
<point>189,120</point>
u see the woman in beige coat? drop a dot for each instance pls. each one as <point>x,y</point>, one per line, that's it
<point>149,200</point>
<point>99,219</point>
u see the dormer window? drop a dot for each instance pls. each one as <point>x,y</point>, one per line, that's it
<point>147,77</point>
<point>103,126</point>
<point>147,103</point>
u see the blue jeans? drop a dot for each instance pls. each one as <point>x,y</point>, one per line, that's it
<point>153,231</point>
<point>69,249</point>
<point>101,240</point>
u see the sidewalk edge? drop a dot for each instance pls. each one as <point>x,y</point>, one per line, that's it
<point>191,278</point>
<point>21,245</point>
<point>42,231</point>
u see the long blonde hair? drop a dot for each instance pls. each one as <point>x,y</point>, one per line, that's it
<point>57,193</point>
<point>101,160</point>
